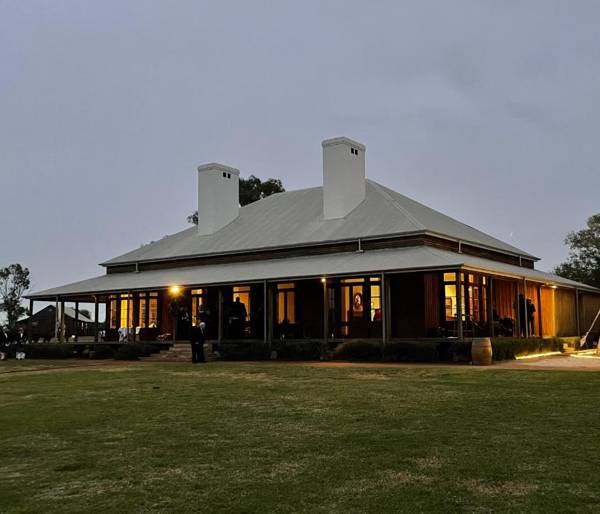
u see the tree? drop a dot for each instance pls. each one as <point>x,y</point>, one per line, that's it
<point>583,263</point>
<point>14,281</point>
<point>252,189</point>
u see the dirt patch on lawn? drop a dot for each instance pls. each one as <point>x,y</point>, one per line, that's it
<point>481,488</point>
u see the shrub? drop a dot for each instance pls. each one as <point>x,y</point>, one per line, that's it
<point>49,351</point>
<point>129,352</point>
<point>415,351</point>
<point>102,351</point>
<point>365,351</point>
<point>460,351</point>
<point>508,348</point>
<point>298,350</point>
<point>243,351</point>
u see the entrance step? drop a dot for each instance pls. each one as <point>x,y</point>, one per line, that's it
<point>180,351</point>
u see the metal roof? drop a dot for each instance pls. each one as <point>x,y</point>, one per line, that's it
<point>388,260</point>
<point>295,218</point>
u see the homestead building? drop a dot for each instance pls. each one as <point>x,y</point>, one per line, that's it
<point>351,259</point>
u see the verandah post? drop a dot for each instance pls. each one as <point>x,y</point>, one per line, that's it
<point>490,305</point>
<point>577,313</point>
<point>526,331</point>
<point>76,322</point>
<point>265,314</point>
<point>220,312</point>
<point>63,334</point>
<point>56,318</point>
<point>30,323</point>
<point>325,312</point>
<point>95,319</point>
<point>459,309</point>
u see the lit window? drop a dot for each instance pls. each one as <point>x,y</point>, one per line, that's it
<point>449,277</point>
<point>375,302</point>
<point>352,280</point>
<point>243,293</point>
<point>286,303</point>
<point>198,306</point>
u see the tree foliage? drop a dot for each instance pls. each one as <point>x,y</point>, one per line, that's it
<point>14,281</point>
<point>252,189</point>
<point>583,263</point>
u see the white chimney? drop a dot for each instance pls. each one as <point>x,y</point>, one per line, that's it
<point>218,197</point>
<point>343,176</point>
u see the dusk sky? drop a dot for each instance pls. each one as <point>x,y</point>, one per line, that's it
<point>486,111</point>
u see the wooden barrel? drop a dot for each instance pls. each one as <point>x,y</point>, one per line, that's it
<point>481,351</point>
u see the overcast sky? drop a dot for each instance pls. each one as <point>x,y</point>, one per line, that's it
<point>486,111</point>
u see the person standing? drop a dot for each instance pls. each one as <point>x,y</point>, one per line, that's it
<point>530,316</point>
<point>197,340</point>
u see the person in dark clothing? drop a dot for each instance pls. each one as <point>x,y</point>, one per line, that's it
<point>183,324</point>
<point>198,337</point>
<point>522,315</point>
<point>530,316</point>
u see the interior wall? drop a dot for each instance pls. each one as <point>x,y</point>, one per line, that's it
<point>504,298</point>
<point>589,304</point>
<point>533,295</point>
<point>407,301</point>
<point>566,313</point>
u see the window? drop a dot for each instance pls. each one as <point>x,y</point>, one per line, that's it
<point>148,310</point>
<point>113,312</point>
<point>450,301</point>
<point>286,303</point>
<point>243,294</point>
<point>375,302</point>
<point>126,311</point>
<point>198,306</point>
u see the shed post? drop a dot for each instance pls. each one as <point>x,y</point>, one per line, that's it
<point>577,312</point>
<point>30,322</point>
<point>459,310</point>
<point>95,319</point>
<point>540,322</point>
<point>76,322</point>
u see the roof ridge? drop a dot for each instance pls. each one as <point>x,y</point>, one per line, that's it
<point>394,203</point>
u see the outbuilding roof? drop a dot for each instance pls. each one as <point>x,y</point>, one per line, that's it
<point>416,258</point>
<point>295,218</point>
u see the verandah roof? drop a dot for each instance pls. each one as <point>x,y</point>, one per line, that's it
<point>388,260</point>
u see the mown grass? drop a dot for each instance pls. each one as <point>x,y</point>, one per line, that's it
<point>292,438</point>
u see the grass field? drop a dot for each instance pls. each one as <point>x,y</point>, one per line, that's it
<point>293,438</point>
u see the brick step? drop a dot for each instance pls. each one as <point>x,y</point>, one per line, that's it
<point>178,352</point>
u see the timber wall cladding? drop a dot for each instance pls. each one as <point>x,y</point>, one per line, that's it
<point>547,309</point>
<point>533,295</point>
<point>566,313</point>
<point>589,304</point>
<point>505,297</point>
<point>431,282</point>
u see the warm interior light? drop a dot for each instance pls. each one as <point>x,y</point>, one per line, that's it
<point>323,280</point>
<point>174,290</point>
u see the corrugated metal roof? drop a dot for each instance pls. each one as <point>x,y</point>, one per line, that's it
<point>296,218</point>
<point>397,259</point>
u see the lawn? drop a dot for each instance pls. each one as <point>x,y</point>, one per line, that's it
<point>229,437</point>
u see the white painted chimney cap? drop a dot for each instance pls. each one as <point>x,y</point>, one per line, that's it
<point>343,141</point>
<point>215,166</point>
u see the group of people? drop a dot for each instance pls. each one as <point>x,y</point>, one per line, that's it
<point>13,340</point>
<point>527,316</point>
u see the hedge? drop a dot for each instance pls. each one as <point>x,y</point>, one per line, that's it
<point>49,351</point>
<point>396,351</point>
<point>508,348</point>
<point>298,350</point>
<point>243,351</point>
